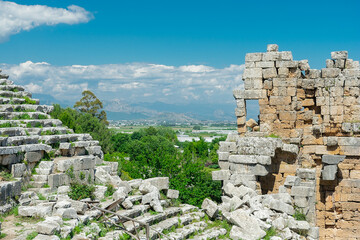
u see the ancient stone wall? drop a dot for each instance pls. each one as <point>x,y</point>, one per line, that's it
<point>319,111</point>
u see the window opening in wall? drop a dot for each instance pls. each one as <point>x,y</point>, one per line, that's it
<point>252,115</point>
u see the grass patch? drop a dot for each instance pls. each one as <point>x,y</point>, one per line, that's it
<point>29,101</point>
<point>6,176</point>
<point>270,233</point>
<point>2,235</point>
<point>299,214</point>
<point>273,136</point>
<point>41,197</point>
<point>31,236</point>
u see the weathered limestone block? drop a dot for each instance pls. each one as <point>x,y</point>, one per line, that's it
<point>287,64</point>
<point>18,170</point>
<point>272,48</point>
<point>161,183</point>
<point>210,207</point>
<point>332,159</point>
<point>269,73</point>
<point>280,206</point>
<point>269,64</point>
<point>252,73</point>
<point>246,226</point>
<point>172,194</point>
<point>339,55</point>
<point>302,191</point>
<point>292,181</point>
<point>250,159</point>
<point>253,57</point>
<point>330,72</point>
<point>221,175</point>
<point>329,172</point>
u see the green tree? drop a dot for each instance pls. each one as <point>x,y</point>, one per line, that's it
<point>85,123</point>
<point>89,103</point>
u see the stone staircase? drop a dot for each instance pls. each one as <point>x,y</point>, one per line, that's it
<point>39,150</point>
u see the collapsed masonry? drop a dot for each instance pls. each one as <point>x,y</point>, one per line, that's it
<point>314,116</point>
<point>44,157</point>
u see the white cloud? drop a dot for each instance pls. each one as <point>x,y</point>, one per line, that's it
<point>133,82</point>
<point>15,18</point>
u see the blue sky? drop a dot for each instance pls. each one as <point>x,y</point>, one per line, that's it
<point>160,39</point>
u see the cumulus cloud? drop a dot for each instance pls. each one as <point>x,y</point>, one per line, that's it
<point>133,82</point>
<point>15,18</point>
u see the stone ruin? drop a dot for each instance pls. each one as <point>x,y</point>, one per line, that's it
<point>306,150</point>
<point>44,157</point>
<point>295,172</point>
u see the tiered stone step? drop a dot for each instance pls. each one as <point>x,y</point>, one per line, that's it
<point>23,115</point>
<point>4,100</point>
<point>38,123</point>
<point>11,94</point>
<point>26,108</point>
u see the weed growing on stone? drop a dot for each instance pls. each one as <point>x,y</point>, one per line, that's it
<point>299,214</point>
<point>31,236</point>
<point>270,233</point>
<point>110,190</point>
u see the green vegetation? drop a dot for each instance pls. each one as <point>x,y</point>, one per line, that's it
<point>110,190</point>
<point>273,136</point>
<point>299,214</point>
<point>82,122</point>
<point>22,116</point>
<point>146,153</point>
<point>89,103</point>
<point>2,235</point>
<point>80,191</point>
<point>41,197</point>
<point>6,125</point>
<point>270,233</point>
<point>31,236</point>
<point>152,153</point>
<point>5,175</point>
<point>29,101</point>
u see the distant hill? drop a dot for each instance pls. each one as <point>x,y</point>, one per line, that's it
<point>159,111</point>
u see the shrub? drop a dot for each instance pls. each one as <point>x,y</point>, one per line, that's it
<point>80,191</point>
<point>110,190</point>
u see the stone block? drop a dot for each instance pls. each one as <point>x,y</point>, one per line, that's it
<point>292,181</point>
<point>307,174</point>
<point>286,56</point>
<point>269,64</point>
<point>172,194</point>
<point>271,56</point>
<point>301,191</point>
<point>286,64</point>
<point>339,55</point>
<point>272,48</point>
<point>283,72</point>
<point>18,170</point>
<point>253,57</point>
<point>304,65</point>
<point>330,72</point>
<point>246,226</point>
<point>210,208</point>
<point>250,159</point>
<point>269,73</point>
<point>280,206</point>
<point>329,172</point>
<point>252,73</point>
<point>223,156</point>
<point>33,156</point>
<point>332,159</point>
<point>161,183</point>
<point>221,175</point>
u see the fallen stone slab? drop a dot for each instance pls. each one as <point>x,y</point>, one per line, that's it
<point>210,207</point>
